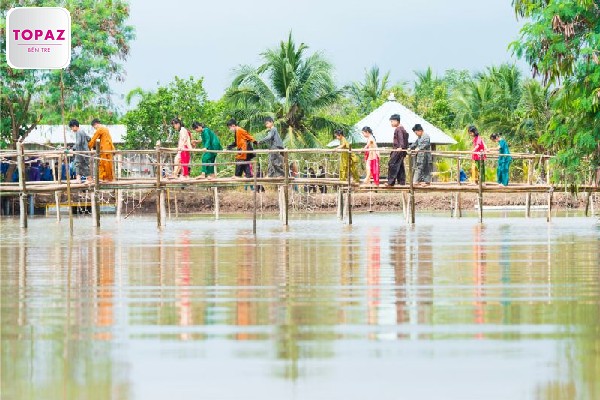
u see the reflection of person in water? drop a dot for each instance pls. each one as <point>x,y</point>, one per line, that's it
<point>182,265</point>
<point>479,274</point>
<point>505,268</point>
<point>246,313</point>
<point>398,262</point>
<point>105,262</point>
<point>373,267</point>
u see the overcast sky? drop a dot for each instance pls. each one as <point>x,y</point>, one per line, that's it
<point>209,39</point>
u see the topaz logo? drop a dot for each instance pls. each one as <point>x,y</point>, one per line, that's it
<point>38,38</point>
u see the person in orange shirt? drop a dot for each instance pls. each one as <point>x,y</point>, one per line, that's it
<point>240,141</point>
<point>106,147</point>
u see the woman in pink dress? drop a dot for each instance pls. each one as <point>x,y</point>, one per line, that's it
<point>478,154</point>
<point>371,157</point>
<point>183,146</point>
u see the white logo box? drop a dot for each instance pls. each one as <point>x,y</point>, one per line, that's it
<point>38,38</point>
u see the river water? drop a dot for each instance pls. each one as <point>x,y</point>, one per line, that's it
<point>447,309</point>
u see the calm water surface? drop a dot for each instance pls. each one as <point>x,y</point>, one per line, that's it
<point>448,309</point>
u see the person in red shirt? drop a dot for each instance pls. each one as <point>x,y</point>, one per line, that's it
<point>478,154</point>
<point>240,141</point>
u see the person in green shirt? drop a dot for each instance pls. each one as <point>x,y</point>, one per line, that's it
<point>210,141</point>
<point>504,159</point>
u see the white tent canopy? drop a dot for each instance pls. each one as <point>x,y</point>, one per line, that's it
<point>53,134</point>
<point>379,122</point>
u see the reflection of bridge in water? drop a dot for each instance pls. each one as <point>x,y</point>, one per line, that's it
<point>153,182</point>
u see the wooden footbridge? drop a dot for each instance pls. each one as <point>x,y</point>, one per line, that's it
<point>156,184</point>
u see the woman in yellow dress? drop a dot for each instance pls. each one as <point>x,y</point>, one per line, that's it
<point>339,134</point>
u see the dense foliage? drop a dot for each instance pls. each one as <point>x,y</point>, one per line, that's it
<point>150,120</point>
<point>561,42</point>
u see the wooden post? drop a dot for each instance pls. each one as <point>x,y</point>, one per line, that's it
<point>549,216</point>
<point>119,158</point>
<point>340,202</point>
<point>69,198</point>
<point>22,185</point>
<point>411,196</point>
<point>158,174</point>
<point>119,204</point>
<point>349,201</point>
<point>32,204</point>
<point>480,191</point>
<point>404,206</point>
<point>457,200</point>
<point>57,201</point>
<point>176,204</point>
<point>254,196</point>
<point>528,195</point>
<point>95,202</point>
<point>547,163</point>
<point>216,195</point>
<point>163,207</point>
<point>286,188</point>
<point>589,196</point>
<point>53,166</point>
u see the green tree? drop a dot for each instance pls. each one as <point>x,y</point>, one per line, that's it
<point>471,103</point>
<point>431,99</point>
<point>561,42</point>
<point>290,86</point>
<point>533,114</point>
<point>506,84</point>
<point>150,120</point>
<point>100,41</point>
<point>369,94</point>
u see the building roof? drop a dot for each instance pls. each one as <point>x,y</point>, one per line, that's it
<point>379,121</point>
<point>53,134</point>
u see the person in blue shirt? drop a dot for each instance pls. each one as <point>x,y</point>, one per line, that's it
<point>504,159</point>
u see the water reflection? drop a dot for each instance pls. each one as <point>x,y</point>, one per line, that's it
<point>478,277</point>
<point>317,308</point>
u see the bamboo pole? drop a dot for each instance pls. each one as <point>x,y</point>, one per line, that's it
<point>95,200</point>
<point>457,198</point>
<point>67,167</point>
<point>349,196</point>
<point>22,185</point>
<point>549,216</point>
<point>158,174</point>
<point>480,191</point>
<point>528,195</point>
<point>176,203</point>
<point>411,189</point>
<point>286,189</point>
<point>163,207</point>
<point>254,196</point>
<point>119,158</point>
<point>57,201</point>
<point>119,204</point>
<point>340,203</point>
<point>216,195</point>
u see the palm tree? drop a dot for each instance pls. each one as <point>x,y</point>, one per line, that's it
<point>472,103</point>
<point>507,87</point>
<point>290,86</point>
<point>534,113</point>
<point>368,93</point>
